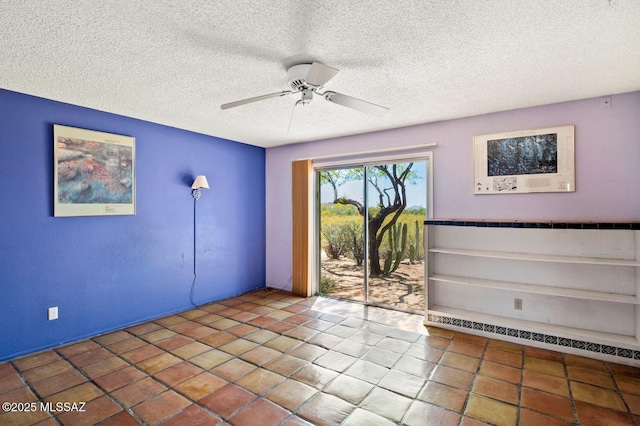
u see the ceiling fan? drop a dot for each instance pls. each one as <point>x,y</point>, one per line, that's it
<point>309,79</point>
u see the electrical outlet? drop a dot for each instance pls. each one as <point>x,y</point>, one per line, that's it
<point>52,313</point>
<point>517,304</point>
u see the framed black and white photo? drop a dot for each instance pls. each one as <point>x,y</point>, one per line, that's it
<point>535,160</point>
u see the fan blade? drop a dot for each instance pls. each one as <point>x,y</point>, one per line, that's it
<point>355,103</point>
<point>319,74</point>
<point>256,99</point>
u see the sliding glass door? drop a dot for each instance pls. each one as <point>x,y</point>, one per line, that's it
<point>385,206</point>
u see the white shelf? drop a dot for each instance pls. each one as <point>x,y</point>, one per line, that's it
<point>538,327</point>
<point>539,289</point>
<point>536,257</point>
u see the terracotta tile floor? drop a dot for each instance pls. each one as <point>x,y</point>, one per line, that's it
<point>267,358</point>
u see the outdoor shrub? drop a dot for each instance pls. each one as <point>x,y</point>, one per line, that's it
<point>327,285</point>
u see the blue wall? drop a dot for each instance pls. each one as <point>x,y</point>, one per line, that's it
<point>108,272</point>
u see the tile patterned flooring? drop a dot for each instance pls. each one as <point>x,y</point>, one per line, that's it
<point>268,358</point>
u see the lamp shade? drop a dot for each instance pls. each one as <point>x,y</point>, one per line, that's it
<point>200,182</point>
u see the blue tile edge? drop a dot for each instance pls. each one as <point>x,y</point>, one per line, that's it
<point>485,223</point>
<point>536,337</point>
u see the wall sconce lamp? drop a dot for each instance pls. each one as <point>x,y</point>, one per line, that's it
<point>200,182</point>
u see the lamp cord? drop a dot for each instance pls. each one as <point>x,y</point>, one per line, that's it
<point>193,284</point>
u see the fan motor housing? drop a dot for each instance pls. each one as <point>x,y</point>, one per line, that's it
<point>296,75</point>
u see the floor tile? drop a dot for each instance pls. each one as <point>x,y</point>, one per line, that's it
<point>496,389</point>
<point>547,403</point>
<point>460,362</point>
<point>190,350</point>
<point>138,391</point>
<point>414,366</point>
<point>633,402</point>
<point>200,386</point>
<point>307,352</point>
<point>286,365</point>
<point>141,353</point>
<point>452,377</point>
<point>532,418</point>
<point>628,384</point>
<point>227,400</point>
<point>596,395</point>
<point>553,368</point>
<point>58,383</point>
<point>491,411</point>
<point>500,372</point>
<point>106,366</point>
<point>545,382</point>
<point>283,343</point>
<point>261,336</point>
<point>37,360</point>
<point>158,363</point>
<point>543,354</point>
<point>126,345</point>
<point>270,358</point>
<point>260,355</point>
<point>501,357</point>
<point>193,415</point>
<point>314,375</point>
<point>349,388</point>
<point>161,407</point>
<point>593,415</point>
<point>386,403</point>
<point>586,363</point>
<point>233,369</point>
<point>110,338</point>
<point>367,371</point>
<point>122,418</point>
<point>325,409</point>
<point>218,339</point>
<point>9,382</point>
<point>238,346</point>
<point>361,417</point>
<point>260,381</point>
<point>402,383</point>
<point>382,357</point>
<point>469,349</point>
<point>47,370</point>
<point>157,335</point>
<point>260,413</point>
<point>596,378</point>
<point>444,396</point>
<point>241,330</point>
<point>425,414</point>
<point>119,378</point>
<point>94,412</point>
<point>290,394</point>
<point>74,348</point>
<point>335,361</point>
<point>82,393</point>
<point>173,342</point>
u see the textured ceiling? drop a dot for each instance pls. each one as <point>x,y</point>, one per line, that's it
<point>175,63</point>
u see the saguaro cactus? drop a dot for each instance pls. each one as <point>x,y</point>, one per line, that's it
<point>397,247</point>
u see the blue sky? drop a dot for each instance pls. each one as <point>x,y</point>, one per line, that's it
<point>416,194</point>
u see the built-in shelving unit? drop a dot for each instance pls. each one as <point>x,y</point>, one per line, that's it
<point>574,287</point>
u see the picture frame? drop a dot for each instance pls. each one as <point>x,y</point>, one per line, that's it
<point>534,160</point>
<point>94,173</point>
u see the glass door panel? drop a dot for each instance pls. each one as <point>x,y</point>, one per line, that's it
<point>397,203</point>
<point>341,236</point>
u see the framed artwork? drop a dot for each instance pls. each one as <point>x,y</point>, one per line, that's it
<point>94,173</point>
<point>535,160</point>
